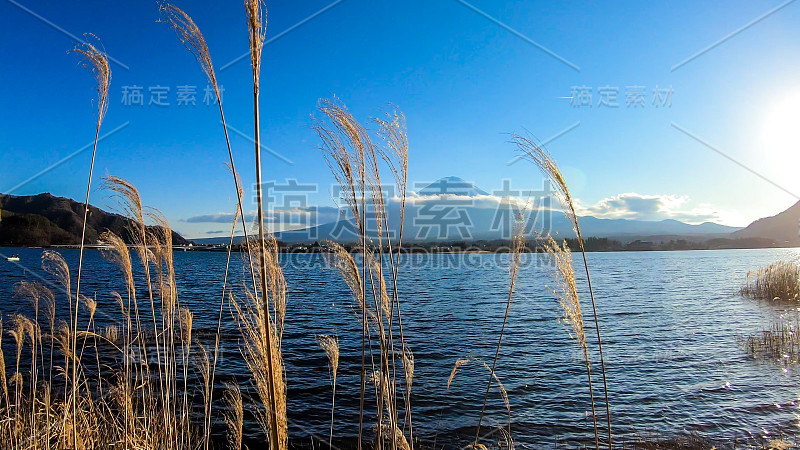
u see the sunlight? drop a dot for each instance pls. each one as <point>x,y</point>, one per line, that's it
<point>782,133</point>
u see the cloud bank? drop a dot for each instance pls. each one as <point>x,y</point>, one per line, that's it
<point>637,206</point>
<point>631,206</point>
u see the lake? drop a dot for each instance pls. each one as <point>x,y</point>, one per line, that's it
<point>670,323</point>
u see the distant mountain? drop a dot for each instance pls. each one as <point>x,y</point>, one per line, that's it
<point>434,214</point>
<point>43,220</point>
<point>480,228</point>
<point>617,228</point>
<point>483,227</point>
<point>783,227</point>
<point>453,186</point>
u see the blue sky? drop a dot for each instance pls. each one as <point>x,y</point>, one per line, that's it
<point>462,80</point>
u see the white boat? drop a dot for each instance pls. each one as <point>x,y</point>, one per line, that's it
<point>13,258</point>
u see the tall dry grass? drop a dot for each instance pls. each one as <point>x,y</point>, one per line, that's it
<point>273,391</point>
<point>128,399</point>
<point>149,405</point>
<point>357,164</point>
<point>518,242</point>
<point>256,27</point>
<point>330,344</point>
<point>548,167</point>
<point>777,281</point>
<point>117,399</point>
<point>192,38</point>
<point>98,62</point>
<point>566,291</point>
<point>261,341</point>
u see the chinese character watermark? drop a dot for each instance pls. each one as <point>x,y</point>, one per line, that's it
<point>164,96</point>
<point>608,96</point>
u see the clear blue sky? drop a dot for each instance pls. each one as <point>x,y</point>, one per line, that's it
<point>462,80</point>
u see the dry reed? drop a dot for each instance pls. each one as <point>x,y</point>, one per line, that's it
<point>516,248</point>
<point>343,145</point>
<point>256,27</point>
<point>98,61</point>
<point>356,164</point>
<point>234,417</point>
<point>777,281</point>
<point>545,163</point>
<point>331,346</point>
<point>566,291</point>
<point>143,409</point>
<point>778,342</point>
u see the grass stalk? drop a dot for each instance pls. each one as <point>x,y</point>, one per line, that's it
<point>222,303</point>
<point>550,169</point>
<point>98,61</point>
<point>189,34</point>
<point>516,249</point>
<point>256,21</point>
<point>330,344</point>
<point>566,292</point>
<point>395,154</point>
<point>235,417</point>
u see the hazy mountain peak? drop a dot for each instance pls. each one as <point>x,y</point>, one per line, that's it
<point>452,185</point>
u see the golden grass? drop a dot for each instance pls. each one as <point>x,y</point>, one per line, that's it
<point>357,164</point>
<point>548,167</point>
<point>148,408</point>
<point>777,281</point>
<point>331,346</point>
<point>149,405</point>
<point>566,292</point>
<point>98,62</point>
<point>84,417</point>
<point>271,393</point>
<point>234,417</point>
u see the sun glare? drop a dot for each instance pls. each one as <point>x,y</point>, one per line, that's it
<point>782,133</point>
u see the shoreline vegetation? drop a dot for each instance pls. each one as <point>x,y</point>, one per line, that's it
<point>148,379</point>
<point>591,245</point>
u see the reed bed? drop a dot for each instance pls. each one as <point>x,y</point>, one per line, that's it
<point>778,281</point>
<point>778,342</point>
<point>137,381</point>
<point>146,379</point>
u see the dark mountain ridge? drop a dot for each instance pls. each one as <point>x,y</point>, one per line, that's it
<point>44,220</point>
<point>784,227</point>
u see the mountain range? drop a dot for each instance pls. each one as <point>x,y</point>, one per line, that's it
<point>452,209</point>
<point>449,209</point>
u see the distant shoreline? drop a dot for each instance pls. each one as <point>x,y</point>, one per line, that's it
<point>592,245</point>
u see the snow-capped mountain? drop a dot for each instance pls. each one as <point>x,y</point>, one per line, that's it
<point>452,209</point>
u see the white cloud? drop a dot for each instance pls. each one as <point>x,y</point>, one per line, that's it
<point>279,219</point>
<point>482,201</point>
<point>636,206</point>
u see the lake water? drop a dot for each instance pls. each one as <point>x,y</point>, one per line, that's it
<point>670,322</point>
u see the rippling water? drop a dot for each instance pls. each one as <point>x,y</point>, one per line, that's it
<point>670,322</point>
